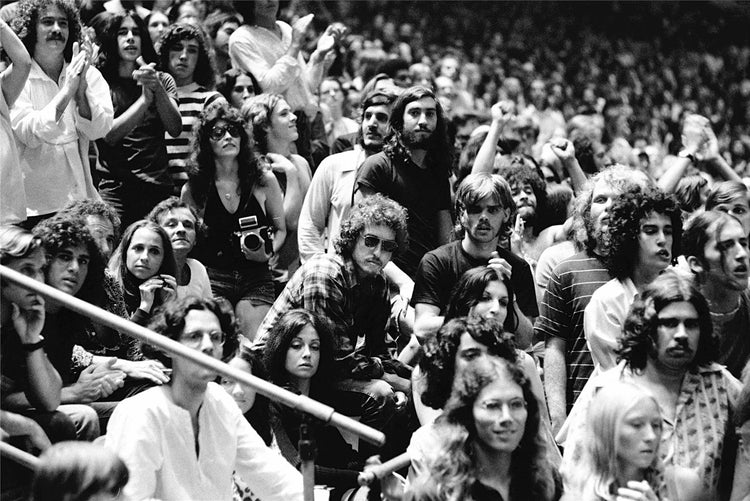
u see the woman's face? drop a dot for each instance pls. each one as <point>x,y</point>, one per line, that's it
<point>243,395</point>
<point>303,354</point>
<point>500,414</point>
<point>242,91</point>
<point>145,254</point>
<point>157,23</point>
<point>283,122</point>
<point>469,350</point>
<point>639,435</point>
<point>493,303</point>
<point>225,139</point>
<point>128,40</point>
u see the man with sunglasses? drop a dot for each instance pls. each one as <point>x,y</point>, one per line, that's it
<point>348,287</point>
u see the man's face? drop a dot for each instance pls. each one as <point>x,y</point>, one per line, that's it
<point>68,269</point>
<point>739,208</point>
<point>483,220</point>
<point>221,42</point>
<point>373,250</point>
<point>179,224</point>
<point>601,159</point>
<point>183,58</point>
<point>449,67</point>
<point>601,200</point>
<point>420,120</point>
<point>538,93</point>
<point>103,232</point>
<point>677,335</point>
<point>655,242</point>
<point>128,40</point>
<point>375,126</point>
<point>726,258</point>
<point>525,199</point>
<point>202,332</point>
<point>31,266</point>
<point>52,31</point>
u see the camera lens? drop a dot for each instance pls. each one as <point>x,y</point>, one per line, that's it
<point>251,242</point>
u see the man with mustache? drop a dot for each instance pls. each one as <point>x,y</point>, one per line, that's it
<point>484,214</point>
<point>715,246</point>
<point>64,105</point>
<point>329,198</point>
<point>668,348</point>
<point>349,288</point>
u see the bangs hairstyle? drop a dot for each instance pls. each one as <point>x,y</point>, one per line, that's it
<point>109,56</point>
<point>118,262</point>
<point>374,210</point>
<point>61,232</point>
<point>205,71</point>
<point>283,332</point>
<point>257,112</point>
<point>169,321</point>
<point>438,363</point>
<point>626,214</point>
<point>701,228</point>
<point>72,471</point>
<point>229,79</point>
<point>17,243</point>
<point>639,340</point>
<point>477,187</point>
<point>469,290</point>
<point>727,192</point>
<point>27,17</point>
<point>202,165</point>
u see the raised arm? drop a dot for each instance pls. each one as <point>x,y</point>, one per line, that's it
<point>13,78</point>
<point>501,112</point>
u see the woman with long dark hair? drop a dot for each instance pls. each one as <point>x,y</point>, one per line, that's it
<point>242,209</point>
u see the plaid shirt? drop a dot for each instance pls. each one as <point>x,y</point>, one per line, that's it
<point>357,308</point>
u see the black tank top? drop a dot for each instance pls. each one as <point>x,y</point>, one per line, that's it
<point>220,247</point>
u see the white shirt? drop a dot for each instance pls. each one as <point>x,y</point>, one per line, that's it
<point>54,154</point>
<point>12,191</point>
<point>154,437</point>
<point>199,285</point>
<point>328,202</point>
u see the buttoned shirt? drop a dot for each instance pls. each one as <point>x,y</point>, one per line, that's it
<point>54,153</point>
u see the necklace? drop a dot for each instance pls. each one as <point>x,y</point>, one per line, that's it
<point>725,314</point>
<point>228,196</point>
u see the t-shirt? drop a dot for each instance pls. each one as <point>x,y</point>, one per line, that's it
<point>569,291</point>
<point>421,191</point>
<point>141,154</point>
<point>199,285</point>
<point>440,270</point>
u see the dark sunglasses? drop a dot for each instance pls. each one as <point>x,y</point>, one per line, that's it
<point>371,241</point>
<point>218,131</point>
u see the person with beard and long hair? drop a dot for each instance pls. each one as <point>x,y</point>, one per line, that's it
<point>413,170</point>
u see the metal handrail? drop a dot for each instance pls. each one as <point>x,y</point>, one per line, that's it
<point>21,457</point>
<point>299,402</point>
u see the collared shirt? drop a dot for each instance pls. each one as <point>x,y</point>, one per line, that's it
<point>54,154</point>
<point>155,439</point>
<point>12,192</point>
<point>696,437</point>
<point>328,284</point>
<point>328,202</point>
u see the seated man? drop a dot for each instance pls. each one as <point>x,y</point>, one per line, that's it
<point>350,290</point>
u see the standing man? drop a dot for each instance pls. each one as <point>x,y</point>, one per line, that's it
<point>329,197</point>
<point>63,106</point>
<point>485,212</point>
<point>413,170</point>
<point>715,246</point>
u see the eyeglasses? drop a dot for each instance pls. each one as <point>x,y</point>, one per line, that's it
<point>243,88</point>
<point>371,241</point>
<point>218,131</point>
<point>194,339</point>
<point>496,406</point>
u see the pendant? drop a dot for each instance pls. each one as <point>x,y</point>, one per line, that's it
<point>228,196</point>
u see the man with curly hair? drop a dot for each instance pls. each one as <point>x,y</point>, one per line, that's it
<point>64,105</point>
<point>644,235</point>
<point>350,290</point>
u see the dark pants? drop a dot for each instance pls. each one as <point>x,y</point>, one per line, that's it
<point>132,200</point>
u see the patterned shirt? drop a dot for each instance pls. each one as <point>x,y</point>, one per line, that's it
<point>569,291</point>
<point>358,308</point>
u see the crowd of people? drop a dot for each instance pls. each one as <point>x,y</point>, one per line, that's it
<point>519,250</point>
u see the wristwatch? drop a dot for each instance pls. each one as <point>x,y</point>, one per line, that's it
<point>31,347</point>
<point>687,154</point>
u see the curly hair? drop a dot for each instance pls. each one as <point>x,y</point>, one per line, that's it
<point>27,17</point>
<point>205,71</point>
<point>109,55</point>
<point>284,330</point>
<point>625,217</point>
<point>376,210</point>
<point>701,228</point>
<point>520,174</point>
<point>90,207</point>
<point>62,232</point>
<point>454,470</point>
<point>257,112</point>
<point>440,150</point>
<point>639,340</point>
<point>169,321</point>
<point>468,292</point>
<point>438,362</point>
<point>202,165</point>
<point>476,187</point>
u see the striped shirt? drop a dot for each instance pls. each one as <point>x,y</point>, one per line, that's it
<point>192,99</point>
<point>569,291</point>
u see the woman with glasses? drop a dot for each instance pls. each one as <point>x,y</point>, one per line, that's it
<point>183,440</point>
<point>242,208</point>
<point>487,442</point>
